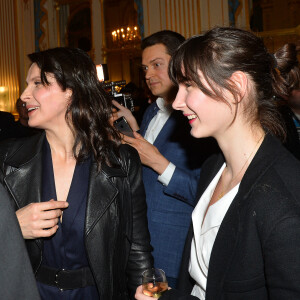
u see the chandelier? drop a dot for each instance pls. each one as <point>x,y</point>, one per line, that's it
<point>126,38</point>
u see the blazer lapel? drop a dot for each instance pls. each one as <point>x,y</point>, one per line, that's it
<point>166,131</point>
<point>148,117</point>
<point>102,192</point>
<point>25,164</point>
<point>227,237</point>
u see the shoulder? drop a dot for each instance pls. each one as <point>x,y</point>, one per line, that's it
<point>272,187</point>
<point>128,152</point>
<point>150,108</point>
<point>6,118</point>
<point>129,156</point>
<point>26,146</point>
<point>284,172</point>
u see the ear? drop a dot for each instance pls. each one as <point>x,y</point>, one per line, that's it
<point>69,94</point>
<point>240,82</point>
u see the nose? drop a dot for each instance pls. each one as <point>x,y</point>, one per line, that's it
<point>179,102</point>
<point>25,96</point>
<point>148,73</point>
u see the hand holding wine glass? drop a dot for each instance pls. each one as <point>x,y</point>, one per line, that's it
<point>154,282</point>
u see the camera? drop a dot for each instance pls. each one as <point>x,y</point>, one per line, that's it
<point>114,89</point>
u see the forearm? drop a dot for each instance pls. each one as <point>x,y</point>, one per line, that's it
<point>158,163</point>
<point>183,185</point>
<point>132,122</point>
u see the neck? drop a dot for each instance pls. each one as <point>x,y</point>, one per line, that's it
<point>240,150</point>
<point>61,144</point>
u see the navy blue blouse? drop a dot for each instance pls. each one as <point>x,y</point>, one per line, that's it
<point>66,248</point>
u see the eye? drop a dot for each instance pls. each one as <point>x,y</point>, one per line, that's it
<point>37,83</point>
<point>144,68</point>
<point>157,65</point>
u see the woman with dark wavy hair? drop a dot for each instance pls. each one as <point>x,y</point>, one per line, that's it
<point>77,192</point>
<point>243,242</point>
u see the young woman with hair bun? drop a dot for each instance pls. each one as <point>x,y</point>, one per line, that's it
<point>243,242</point>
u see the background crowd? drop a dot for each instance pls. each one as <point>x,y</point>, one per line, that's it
<point>207,189</point>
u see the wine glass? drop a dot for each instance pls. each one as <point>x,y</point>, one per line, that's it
<point>154,282</point>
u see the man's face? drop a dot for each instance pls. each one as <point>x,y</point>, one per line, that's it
<point>155,62</point>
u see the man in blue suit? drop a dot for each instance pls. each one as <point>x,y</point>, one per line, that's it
<point>171,165</point>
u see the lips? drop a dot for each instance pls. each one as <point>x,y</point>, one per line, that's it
<point>153,83</point>
<point>32,108</point>
<point>191,118</point>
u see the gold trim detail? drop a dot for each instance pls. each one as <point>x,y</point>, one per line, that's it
<point>208,14</point>
<point>148,17</point>
<point>198,16</point>
<point>184,19</point>
<point>189,19</point>
<point>166,12</point>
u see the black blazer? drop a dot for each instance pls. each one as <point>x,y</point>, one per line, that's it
<point>256,254</point>
<point>116,234</point>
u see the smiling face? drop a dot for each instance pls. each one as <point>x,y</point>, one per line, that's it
<point>207,116</point>
<point>155,62</point>
<point>46,104</point>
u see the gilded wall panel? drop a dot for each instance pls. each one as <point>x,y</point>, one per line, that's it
<point>9,79</point>
<point>188,17</point>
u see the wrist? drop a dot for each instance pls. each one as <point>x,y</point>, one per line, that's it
<point>133,123</point>
<point>160,165</point>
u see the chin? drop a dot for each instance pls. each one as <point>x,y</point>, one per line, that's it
<point>155,93</point>
<point>198,135</point>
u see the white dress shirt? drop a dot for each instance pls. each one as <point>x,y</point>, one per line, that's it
<point>205,232</point>
<point>153,130</point>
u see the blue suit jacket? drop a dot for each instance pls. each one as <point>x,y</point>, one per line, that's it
<point>170,207</point>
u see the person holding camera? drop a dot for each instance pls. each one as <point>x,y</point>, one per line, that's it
<point>171,166</point>
<point>77,191</point>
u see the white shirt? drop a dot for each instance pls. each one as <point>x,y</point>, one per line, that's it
<point>153,130</point>
<point>205,232</point>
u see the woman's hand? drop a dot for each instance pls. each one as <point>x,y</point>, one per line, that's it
<point>139,294</point>
<point>126,113</point>
<point>40,219</point>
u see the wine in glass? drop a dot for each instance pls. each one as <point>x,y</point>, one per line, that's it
<point>154,282</point>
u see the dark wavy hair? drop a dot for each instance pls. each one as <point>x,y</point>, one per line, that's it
<point>218,54</point>
<point>90,108</point>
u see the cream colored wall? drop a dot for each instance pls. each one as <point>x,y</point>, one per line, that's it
<point>97,30</point>
<point>243,15</point>
<point>24,21</point>
<point>188,17</point>
<point>25,27</point>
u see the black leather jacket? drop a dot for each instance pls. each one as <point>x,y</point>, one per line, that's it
<point>116,234</point>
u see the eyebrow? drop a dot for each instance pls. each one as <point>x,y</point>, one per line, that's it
<point>34,78</point>
<point>153,60</point>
